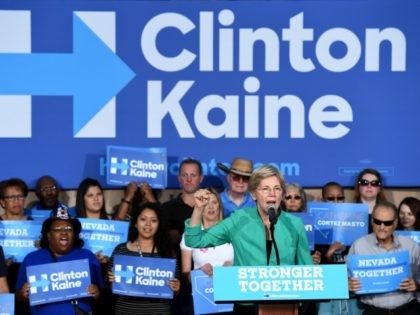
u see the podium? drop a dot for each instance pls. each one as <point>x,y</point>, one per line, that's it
<point>277,290</point>
<point>278,309</point>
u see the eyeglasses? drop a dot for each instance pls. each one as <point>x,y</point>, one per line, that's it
<point>14,198</point>
<point>237,178</point>
<point>266,190</point>
<point>339,198</point>
<point>295,197</point>
<point>380,222</point>
<point>62,229</point>
<point>48,189</point>
<point>373,183</point>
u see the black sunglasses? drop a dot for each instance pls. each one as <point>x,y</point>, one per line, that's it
<point>339,198</point>
<point>373,183</point>
<point>296,197</point>
<point>386,223</point>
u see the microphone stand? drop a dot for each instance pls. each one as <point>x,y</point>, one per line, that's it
<point>273,220</point>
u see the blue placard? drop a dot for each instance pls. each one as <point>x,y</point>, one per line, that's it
<point>203,297</point>
<point>339,222</point>
<point>257,283</point>
<point>38,214</point>
<point>143,276</point>
<point>7,304</point>
<point>197,75</point>
<point>379,273</point>
<point>308,221</point>
<point>126,164</point>
<point>58,281</point>
<point>18,238</point>
<point>103,235</point>
<point>414,235</point>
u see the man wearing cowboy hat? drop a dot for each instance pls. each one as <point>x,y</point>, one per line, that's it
<point>236,195</point>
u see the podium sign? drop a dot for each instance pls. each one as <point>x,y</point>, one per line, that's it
<point>264,283</point>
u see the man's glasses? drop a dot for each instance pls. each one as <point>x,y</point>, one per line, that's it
<point>237,178</point>
<point>14,198</point>
<point>380,222</point>
<point>48,189</point>
<point>373,183</point>
<point>339,198</point>
<point>267,190</point>
<point>62,229</point>
<point>295,197</point>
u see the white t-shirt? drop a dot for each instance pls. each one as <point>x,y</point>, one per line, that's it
<point>216,256</point>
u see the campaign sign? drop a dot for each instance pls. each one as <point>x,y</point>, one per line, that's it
<point>58,281</point>
<point>414,235</point>
<point>7,304</point>
<point>38,214</point>
<point>18,237</point>
<point>300,282</point>
<point>143,276</point>
<point>339,222</point>
<point>202,292</point>
<point>308,221</point>
<point>379,273</point>
<point>103,235</point>
<point>127,164</point>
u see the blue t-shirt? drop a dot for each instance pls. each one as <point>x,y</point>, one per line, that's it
<point>43,256</point>
<point>229,206</point>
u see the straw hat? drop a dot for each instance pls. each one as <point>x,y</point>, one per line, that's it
<point>238,166</point>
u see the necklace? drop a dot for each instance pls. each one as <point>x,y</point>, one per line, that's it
<point>139,249</point>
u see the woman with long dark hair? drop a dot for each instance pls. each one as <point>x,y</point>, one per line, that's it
<point>147,237</point>
<point>90,201</point>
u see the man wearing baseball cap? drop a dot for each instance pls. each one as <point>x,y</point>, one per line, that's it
<point>236,195</point>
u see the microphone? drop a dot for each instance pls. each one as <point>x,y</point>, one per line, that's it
<point>271,210</point>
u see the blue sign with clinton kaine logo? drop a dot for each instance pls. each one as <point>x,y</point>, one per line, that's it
<point>257,283</point>
<point>126,164</point>
<point>143,276</point>
<point>58,281</point>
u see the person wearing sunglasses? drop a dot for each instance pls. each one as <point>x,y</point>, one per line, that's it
<point>294,199</point>
<point>236,195</point>
<point>368,188</point>
<point>383,240</point>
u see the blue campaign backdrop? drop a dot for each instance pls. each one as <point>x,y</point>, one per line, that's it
<point>322,89</point>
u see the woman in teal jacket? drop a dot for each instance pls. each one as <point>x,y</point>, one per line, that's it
<point>249,229</point>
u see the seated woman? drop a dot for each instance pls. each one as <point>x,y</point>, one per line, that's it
<point>147,237</point>
<point>60,242</point>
